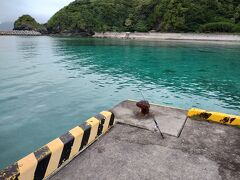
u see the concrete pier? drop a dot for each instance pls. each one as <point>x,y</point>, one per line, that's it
<point>171,120</point>
<point>19,33</point>
<point>203,150</point>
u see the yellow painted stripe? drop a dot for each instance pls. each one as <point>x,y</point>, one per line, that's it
<point>215,116</point>
<point>107,116</point>
<point>77,132</point>
<point>195,112</point>
<point>56,147</point>
<point>236,122</point>
<point>218,117</point>
<point>94,123</point>
<point>27,167</point>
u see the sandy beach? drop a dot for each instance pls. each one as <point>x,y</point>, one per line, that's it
<point>154,36</point>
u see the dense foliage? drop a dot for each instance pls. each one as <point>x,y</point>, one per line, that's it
<point>144,15</point>
<point>26,22</point>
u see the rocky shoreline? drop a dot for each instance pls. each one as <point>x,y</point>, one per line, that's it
<point>154,36</point>
<point>19,33</point>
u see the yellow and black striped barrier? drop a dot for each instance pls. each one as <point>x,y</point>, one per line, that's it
<point>49,158</point>
<point>218,117</point>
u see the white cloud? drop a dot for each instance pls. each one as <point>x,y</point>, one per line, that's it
<point>41,10</point>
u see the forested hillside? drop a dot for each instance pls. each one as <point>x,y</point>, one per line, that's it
<point>144,15</point>
<point>26,22</point>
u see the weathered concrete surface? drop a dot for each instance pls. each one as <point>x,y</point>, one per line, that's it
<point>170,120</point>
<point>19,33</point>
<point>156,36</point>
<point>203,151</point>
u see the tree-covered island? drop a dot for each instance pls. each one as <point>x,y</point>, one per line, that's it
<point>89,16</point>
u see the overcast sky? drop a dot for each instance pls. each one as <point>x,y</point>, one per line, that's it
<point>41,10</point>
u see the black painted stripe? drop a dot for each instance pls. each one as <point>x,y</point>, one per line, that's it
<point>205,115</point>
<point>67,140</point>
<point>43,156</point>
<point>11,172</point>
<point>225,119</point>
<point>87,130</point>
<point>232,119</point>
<point>101,118</point>
<point>111,120</point>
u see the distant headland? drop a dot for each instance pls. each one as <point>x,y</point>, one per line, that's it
<point>84,17</point>
<point>89,17</point>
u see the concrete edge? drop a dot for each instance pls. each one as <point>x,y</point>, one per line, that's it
<point>44,162</point>
<point>155,104</point>
<point>218,117</point>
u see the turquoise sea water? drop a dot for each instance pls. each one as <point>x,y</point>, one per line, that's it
<point>49,85</point>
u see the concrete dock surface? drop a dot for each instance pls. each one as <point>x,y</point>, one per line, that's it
<point>203,150</point>
<point>171,120</point>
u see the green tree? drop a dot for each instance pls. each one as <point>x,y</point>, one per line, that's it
<point>26,22</point>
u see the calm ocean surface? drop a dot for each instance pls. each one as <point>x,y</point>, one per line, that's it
<point>49,85</point>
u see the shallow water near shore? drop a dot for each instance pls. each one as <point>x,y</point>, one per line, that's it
<point>50,84</point>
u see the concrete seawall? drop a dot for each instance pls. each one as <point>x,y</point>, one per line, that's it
<point>155,36</point>
<point>20,33</point>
